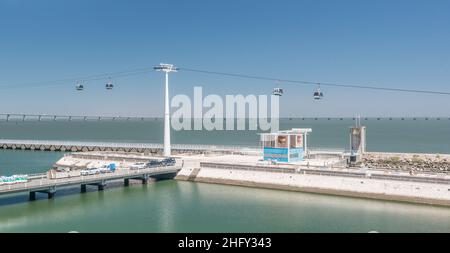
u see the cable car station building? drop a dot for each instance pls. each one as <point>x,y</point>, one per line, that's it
<point>285,146</point>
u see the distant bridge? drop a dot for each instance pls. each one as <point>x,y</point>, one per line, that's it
<point>53,117</point>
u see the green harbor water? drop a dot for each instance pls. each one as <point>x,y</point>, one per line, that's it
<point>172,206</point>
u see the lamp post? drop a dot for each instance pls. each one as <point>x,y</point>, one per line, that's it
<point>166,68</point>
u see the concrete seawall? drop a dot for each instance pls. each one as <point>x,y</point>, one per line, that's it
<point>414,192</point>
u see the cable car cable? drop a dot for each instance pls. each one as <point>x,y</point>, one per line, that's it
<point>150,70</point>
<point>314,83</point>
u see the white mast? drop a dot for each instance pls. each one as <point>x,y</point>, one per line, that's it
<point>167,68</point>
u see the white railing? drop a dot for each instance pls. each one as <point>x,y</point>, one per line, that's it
<point>326,150</point>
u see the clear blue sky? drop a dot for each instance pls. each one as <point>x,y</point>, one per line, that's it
<point>403,44</point>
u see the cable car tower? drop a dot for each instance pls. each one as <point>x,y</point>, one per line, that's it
<point>166,68</point>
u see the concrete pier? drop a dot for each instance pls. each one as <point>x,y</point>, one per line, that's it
<point>364,183</point>
<point>151,148</point>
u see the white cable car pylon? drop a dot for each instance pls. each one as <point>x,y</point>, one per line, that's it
<point>166,68</point>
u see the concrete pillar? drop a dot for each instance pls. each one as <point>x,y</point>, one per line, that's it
<point>145,179</point>
<point>126,182</point>
<point>32,196</point>
<point>102,185</point>
<point>305,142</point>
<point>166,118</point>
<point>289,148</point>
<point>83,188</point>
<point>51,192</point>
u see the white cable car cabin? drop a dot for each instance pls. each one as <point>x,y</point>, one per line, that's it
<point>318,94</point>
<point>278,92</point>
<point>79,87</point>
<point>109,86</point>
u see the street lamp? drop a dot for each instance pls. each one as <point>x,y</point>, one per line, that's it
<point>167,68</point>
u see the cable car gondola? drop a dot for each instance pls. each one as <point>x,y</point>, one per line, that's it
<point>109,85</point>
<point>79,86</point>
<point>318,95</point>
<point>278,91</point>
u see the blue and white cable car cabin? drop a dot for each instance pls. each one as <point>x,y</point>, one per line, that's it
<point>285,146</point>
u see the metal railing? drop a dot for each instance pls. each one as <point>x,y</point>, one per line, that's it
<point>247,167</point>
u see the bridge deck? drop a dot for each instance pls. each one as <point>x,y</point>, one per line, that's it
<point>40,181</point>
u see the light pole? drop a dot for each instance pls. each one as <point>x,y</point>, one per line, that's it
<point>167,68</point>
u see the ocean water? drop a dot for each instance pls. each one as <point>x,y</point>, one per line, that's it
<point>423,136</point>
<point>172,206</point>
